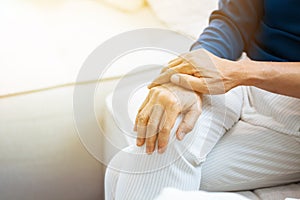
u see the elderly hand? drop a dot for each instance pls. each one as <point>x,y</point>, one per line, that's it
<point>158,114</point>
<point>201,71</point>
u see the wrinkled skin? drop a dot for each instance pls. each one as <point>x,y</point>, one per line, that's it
<point>159,111</point>
<point>200,71</point>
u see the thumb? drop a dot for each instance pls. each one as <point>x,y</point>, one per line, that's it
<point>162,78</point>
<point>189,82</point>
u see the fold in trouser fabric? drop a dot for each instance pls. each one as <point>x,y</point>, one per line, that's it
<point>261,150</point>
<point>250,157</point>
<point>134,175</point>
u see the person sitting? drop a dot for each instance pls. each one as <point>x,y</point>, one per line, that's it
<point>236,123</point>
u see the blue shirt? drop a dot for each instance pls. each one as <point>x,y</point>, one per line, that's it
<point>267,30</point>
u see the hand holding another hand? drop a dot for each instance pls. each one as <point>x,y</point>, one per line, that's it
<point>177,91</point>
<point>201,71</point>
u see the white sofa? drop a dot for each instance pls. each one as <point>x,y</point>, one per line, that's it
<point>43,46</point>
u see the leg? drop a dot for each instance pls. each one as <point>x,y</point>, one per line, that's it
<point>250,157</point>
<point>135,175</point>
<point>261,150</point>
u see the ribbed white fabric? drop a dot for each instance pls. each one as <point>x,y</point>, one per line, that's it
<point>252,154</point>
<point>276,112</point>
<point>249,157</point>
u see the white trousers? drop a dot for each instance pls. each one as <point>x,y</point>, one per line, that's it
<point>261,148</point>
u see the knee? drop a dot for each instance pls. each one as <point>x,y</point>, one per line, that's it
<point>134,159</point>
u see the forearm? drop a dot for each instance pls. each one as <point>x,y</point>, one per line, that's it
<point>277,77</point>
<point>203,72</point>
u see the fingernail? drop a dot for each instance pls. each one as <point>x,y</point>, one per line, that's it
<point>175,78</point>
<point>161,150</point>
<point>149,150</point>
<point>181,135</point>
<point>139,142</point>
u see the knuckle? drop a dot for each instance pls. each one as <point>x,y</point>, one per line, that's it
<point>155,90</point>
<point>162,96</point>
<point>152,123</point>
<point>172,100</point>
<point>165,130</point>
<point>151,136</point>
<point>151,131</point>
<point>167,98</point>
<point>142,119</point>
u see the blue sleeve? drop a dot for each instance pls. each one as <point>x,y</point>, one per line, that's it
<point>231,27</point>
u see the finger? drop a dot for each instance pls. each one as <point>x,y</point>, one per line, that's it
<point>140,109</point>
<point>197,74</point>
<point>165,77</point>
<point>135,125</point>
<point>164,69</point>
<point>162,78</point>
<point>141,135</point>
<point>171,64</point>
<point>142,122</point>
<point>175,62</point>
<point>190,82</point>
<point>189,120</point>
<point>169,119</point>
<point>152,128</point>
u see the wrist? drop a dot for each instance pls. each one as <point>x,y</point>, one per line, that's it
<point>251,73</point>
<point>233,73</point>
